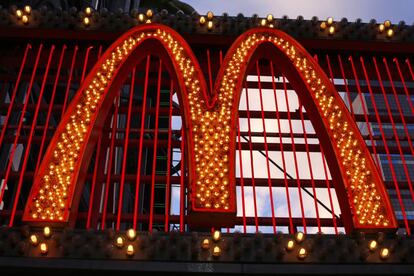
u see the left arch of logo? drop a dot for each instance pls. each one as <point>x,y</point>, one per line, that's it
<point>210,124</point>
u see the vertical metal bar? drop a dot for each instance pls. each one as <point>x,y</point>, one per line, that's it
<point>85,63</point>
<point>95,173</point>
<point>348,93</point>
<point>210,78</point>
<point>399,111</point>
<point>310,166</point>
<point>404,85</point>
<point>168,184</point>
<point>291,230</point>
<point>65,102</point>
<point>13,96</point>
<point>125,153</point>
<point>294,156</point>
<point>46,127</point>
<point>373,101</point>
<point>182,176</point>
<point>373,146</point>
<point>256,220</point>
<point>29,142</point>
<point>109,167</point>
<point>17,134</point>
<point>328,186</point>
<point>269,181</point>
<point>154,157</point>
<point>394,176</point>
<point>241,176</point>
<point>141,138</point>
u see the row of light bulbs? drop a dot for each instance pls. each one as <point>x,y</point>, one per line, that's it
<point>328,24</point>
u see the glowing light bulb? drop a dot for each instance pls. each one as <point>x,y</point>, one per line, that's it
<point>86,21</point>
<point>34,240</point>
<point>27,9</point>
<point>25,19</point>
<point>390,33</point>
<point>149,13</point>
<point>130,250</point>
<point>210,15</point>
<point>329,21</point>
<point>19,14</point>
<point>372,245</point>
<point>47,232</point>
<point>131,234</point>
<point>216,251</point>
<point>263,22</point>
<point>384,253</point>
<point>141,17</point>
<point>323,25</point>
<point>43,248</point>
<point>331,30</point>
<point>381,28</point>
<point>119,242</point>
<point>202,20</point>
<point>269,17</point>
<point>88,11</point>
<point>210,25</point>
<point>299,237</point>
<point>387,23</point>
<point>302,253</point>
<point>205,244</point>
<point>216,236</point>
<point>290,245</point>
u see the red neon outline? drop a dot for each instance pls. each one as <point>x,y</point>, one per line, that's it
<point>273,51</point>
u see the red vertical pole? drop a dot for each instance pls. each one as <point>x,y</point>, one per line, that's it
<point>404,85</point>
<point>125,153</point>
<point>382,131</point>
<point>182,176</point>
<point>85,63</point>
<point>141,138</point>
<point>348,93</point>
<point>13,97</point>
<point>269,181</point>
<point>397,100</point>
<point>46,127</point>
<point>374,149</point>
<point>328,186</point>
<point>168,184</point>
<point>154,157</point>
<point>256,220</point>
<point>310,166</point>
<point>17,135</point>
<point>109,167</point>
<point>291,230</point>
<point>210,77</point>
<point>93,185</point>
<point>65,102</point>
<point>29,142</point>
<point>241,177</point>
<point>294,157</point>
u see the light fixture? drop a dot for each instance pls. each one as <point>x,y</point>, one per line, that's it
<point>299,237</point>
<point>323,25</point>
<point>148,21</point>
<point>119,242</point>
<point>202,20</point>
<point>372,245</point>
<point>210,15</point>
<point>331,30</point>
<point>302,253</point>
<point>329,21</point>
<point>381,28</point>
<point>387,23</point>
<point>86,21</point>
<point>130,250</point>
<point>263,22</point>
<point>43,248</point>
<point>34,240</point>
<point>19,14</point>
<point>141,17</point>
<point>47,232</point>
<point>216,236</point>
<point>88,11</point>
<point>131,234</point>
<point>210,25</point>
<point>27,9</point>
<point>269,17</point>
<point>205,244</point>
<point>216,251</point>
<point>384,253</point>
<point>149,13</point>
<point>25,19</point>
<point>290,245</point>
<point>390,32</point>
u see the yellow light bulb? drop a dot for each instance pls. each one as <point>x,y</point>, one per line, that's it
<point>331,30</point>
<point>210,15</point>
<point>299,237</point>
<point>329,21</point>
<point>210,25</point>
<point>216,251</point>
<point>205,244</point>
<point>19,14</point>
<point>290,245</point>
<point>387,23</point>
<point>47,232</point>
<point>202,20</point>
<point>381,28</point>
<point>131,234</point>
<point>27,9</point>
<point>43,248</point>
<point>372,245</point>
<point>88,11</point>
<point>149,13</point>
<point>141,17</point>
<point>384,253</point>
<point>323,25</point>
<point>25,19</point>
<point>269,17</point>
<point>263,22</point>
<point>34,240</point>
<point>302,253</point>
<point>216,236</point>
<point>130,250</point>
<point>390,33</point>
<point>86,21</point>
<point>119,242</point>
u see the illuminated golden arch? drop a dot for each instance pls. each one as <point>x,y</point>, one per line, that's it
<point>210,128</point>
